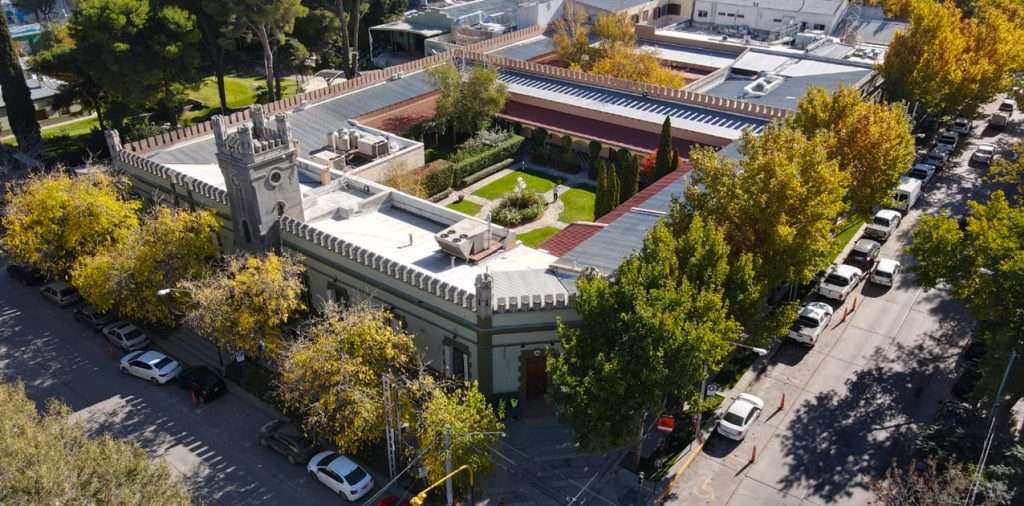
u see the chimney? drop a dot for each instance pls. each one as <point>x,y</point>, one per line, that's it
<point>325,175</point>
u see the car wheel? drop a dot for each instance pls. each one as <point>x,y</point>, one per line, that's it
<point>154,381</point>
<point>124,370</point>
<point>263,442</point>
<point>291,460</point>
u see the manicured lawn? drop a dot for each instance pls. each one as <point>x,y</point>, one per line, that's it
<point>241,92</point>
<point>537,236</point>
<point>73,128</point>
<point>466,207</point>
<point>579,205</point>
<point>499,188</point>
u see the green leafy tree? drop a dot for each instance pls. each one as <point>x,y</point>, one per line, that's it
<point>52,220</point>
<point>629,177</point>
<point>171,245</point>
<point>242,306</point>
<point>1010,169</point>
<point>49,459</point>
<point>157,44</point>
<point>871,141</point>
<point>333,374</point>
<point>21,113</point>
<point>924,483</point>
<point>467,105</point>
<point>650,333</point>
<point>292,58</point>
<point>601,194</point>
<point>594,149</point>
<point>781,207</point>
<point>459,422</point>
<point>983,265</point>
<point>269,21</point>
<point>320,32</point>
<point>218,27</point>
<point>663,162</point>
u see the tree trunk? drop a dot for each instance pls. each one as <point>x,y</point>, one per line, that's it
<point>21,112</point>
<point>346,44</point>
<point>357,15</point>
<point>277,85</point>
<point>100,119</point>
<point>268,60</point>
<point>639,443</point>
<point>221,91</point>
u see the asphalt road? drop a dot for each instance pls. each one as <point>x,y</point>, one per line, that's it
<point>213,447</point>
<point>857,399</point>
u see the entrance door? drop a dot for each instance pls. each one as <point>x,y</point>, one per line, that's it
<point>536,377</point>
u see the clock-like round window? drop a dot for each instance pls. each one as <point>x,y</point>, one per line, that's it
<point>275,178</point>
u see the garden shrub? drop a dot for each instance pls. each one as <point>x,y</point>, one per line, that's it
<point>518,208</point>
<point>481,160</point>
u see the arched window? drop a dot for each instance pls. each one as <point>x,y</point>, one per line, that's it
<point>657,12</point>
<point>635,19</point>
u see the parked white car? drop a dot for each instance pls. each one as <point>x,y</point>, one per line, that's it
<point>938,157</point>
<point>813,319</point>
<point>985,154</point>
<point>151,366</point>
<point>962,126</point>
<point>840,281</point>
<point>948,140</point>
<point>126,336</point>
<point>885,272</point>
<point>883,224</point>
<point>61,293</point>
<point>340,474</point>
<point>740,416</point>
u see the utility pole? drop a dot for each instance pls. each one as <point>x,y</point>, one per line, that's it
<point>987,447</point>
<point>448,486</point>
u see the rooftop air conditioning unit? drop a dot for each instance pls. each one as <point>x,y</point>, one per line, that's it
<point>373,147</point>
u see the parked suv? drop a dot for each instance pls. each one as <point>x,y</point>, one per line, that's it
<point>92,317</point>
<point>883,224</point>
<point>285,439</point>
<point>61,293</point>
<point>864,254</point>
<point>948,140</point>
<point>126,336</point>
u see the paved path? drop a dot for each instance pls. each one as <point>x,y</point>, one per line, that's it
<point>858,398</point>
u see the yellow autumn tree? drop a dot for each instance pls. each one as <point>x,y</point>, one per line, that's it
<point>54,219</point>
<point>242,306</point>
<point>871,141</point>
<point>630,63</point>
<point>571,37</point>
<point>333,373</point>
<point>171,245</point>
<point>950,64</point>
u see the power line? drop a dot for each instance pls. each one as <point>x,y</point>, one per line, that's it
<point>990,436</point>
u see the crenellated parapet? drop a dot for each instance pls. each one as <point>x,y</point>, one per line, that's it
<point>125,161</point>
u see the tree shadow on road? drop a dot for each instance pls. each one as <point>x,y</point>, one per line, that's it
<point>839,440</point>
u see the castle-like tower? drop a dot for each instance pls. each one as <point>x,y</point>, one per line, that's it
<point>261,176</point>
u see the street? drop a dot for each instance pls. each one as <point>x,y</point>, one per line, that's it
<point>213,447</point>
<point>836,415</point>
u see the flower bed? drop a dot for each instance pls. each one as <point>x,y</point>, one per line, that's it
<point>518,208</point>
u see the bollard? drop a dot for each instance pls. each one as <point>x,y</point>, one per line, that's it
<point>753,455</point>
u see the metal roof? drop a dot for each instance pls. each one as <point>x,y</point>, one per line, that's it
<point>310,125</point>
<point>529,49</point>
<point>609,247</point>
<point>689,117</point>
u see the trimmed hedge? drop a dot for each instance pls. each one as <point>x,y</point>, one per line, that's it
<point>438,177</point>
<point>493,169</point>
<point>475,164</point>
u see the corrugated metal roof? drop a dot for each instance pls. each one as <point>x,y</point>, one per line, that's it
<point>711,122</point>
<point>310,126</point>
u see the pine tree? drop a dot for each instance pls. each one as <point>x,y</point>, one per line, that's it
<point>663,165</point>
<point>20,111</point>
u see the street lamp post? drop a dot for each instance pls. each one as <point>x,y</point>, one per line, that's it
<point>704,384</point>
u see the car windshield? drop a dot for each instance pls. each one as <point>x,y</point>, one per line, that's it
<point>918,174</point>
<point>328,459</point>
<point>837,280</point>
<point>132,334</point>
<point>883,274</point>
<point>163,362</point>
<point>900,197</point>
<point>355,476</point>
<point>807,321</point>
<point>881,221</point>
<point>1006,107</point>
<point>733,418</point>
<point>858,256</point>
<point>66,291</point>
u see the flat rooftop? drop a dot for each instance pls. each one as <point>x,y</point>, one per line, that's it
<point>689,56</point>
<point>716,123</point>
<point>528,49</point>
<point>311,124</point>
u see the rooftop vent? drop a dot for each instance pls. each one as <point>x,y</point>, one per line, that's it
<point>764,85</point>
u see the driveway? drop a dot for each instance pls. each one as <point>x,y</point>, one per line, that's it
<point>836,415</point>
<point>213,447</point>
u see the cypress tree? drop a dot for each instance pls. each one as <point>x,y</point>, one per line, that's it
<point>675,161</point>
<point>601,195</point>
<point>613,188</point>
<point>21,114</point>
<point>663,162</point>
<point>629,177</point>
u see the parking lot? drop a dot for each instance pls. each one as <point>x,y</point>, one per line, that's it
<point>214,447</point>
<point>837,414</point>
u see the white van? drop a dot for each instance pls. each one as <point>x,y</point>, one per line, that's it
<point>907,193</point>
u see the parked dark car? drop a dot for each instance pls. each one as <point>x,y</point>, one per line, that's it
<point>25,275</point>
<point>864,254</point>
<point>92,317</point>
<point>285,439</point>
<point>203,383</point>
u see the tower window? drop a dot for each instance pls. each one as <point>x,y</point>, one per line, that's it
<point>275,177</point>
